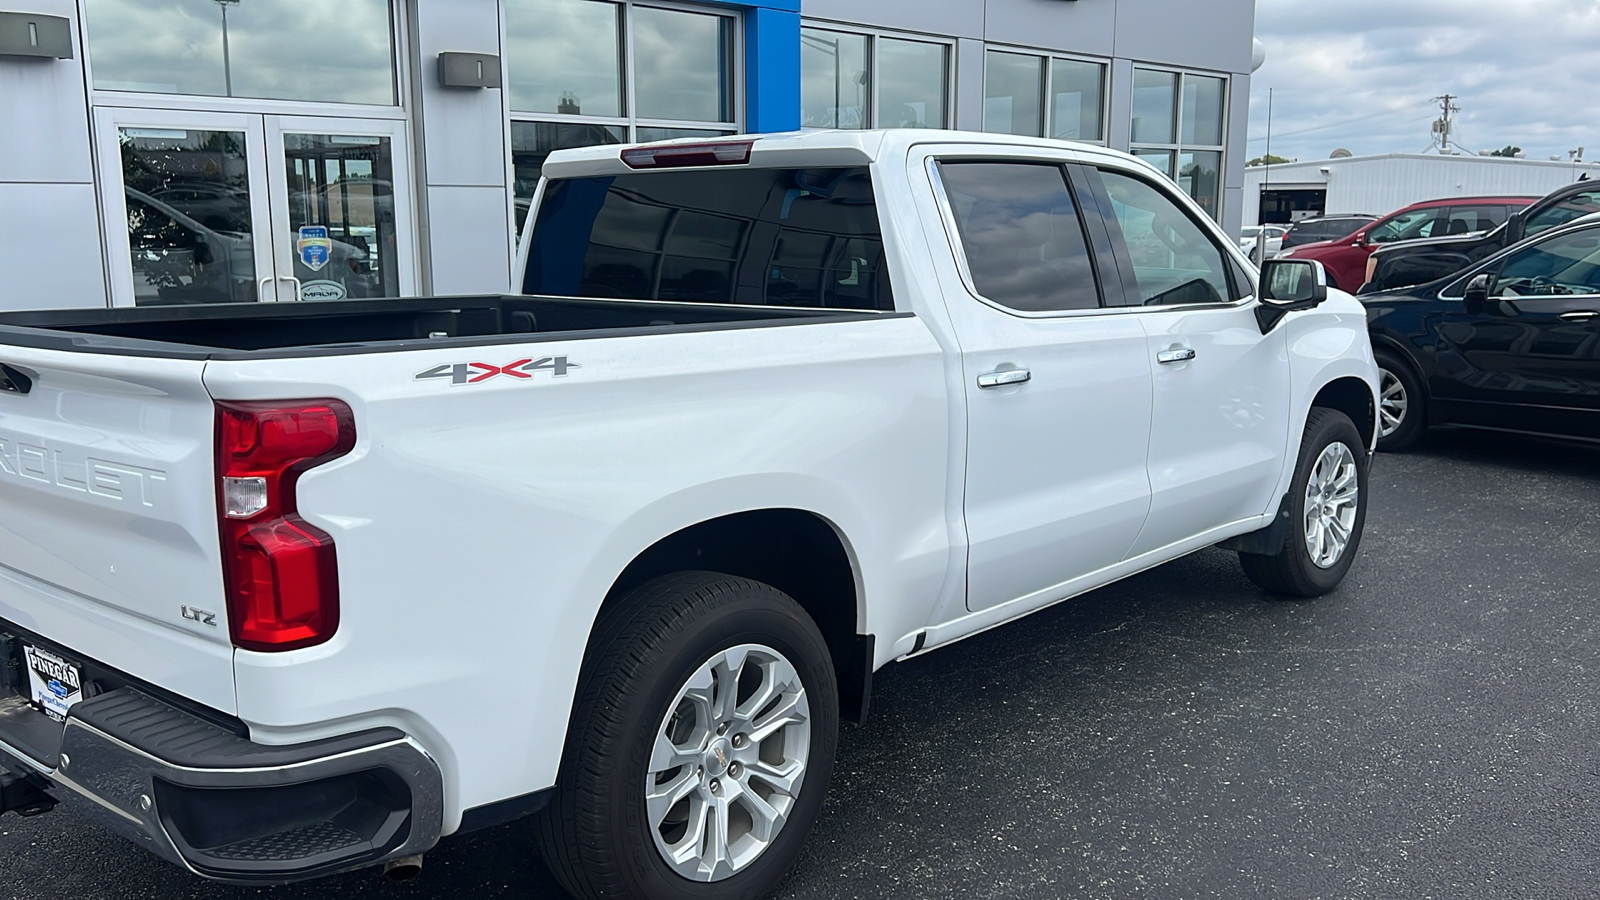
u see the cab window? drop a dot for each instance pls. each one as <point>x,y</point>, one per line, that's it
<point>1559,267</point>
<point>1174,260</point>
<point>1020,232</point>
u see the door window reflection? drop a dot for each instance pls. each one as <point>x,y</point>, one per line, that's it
<point>274,49</point>
<point>187,194</point>
<point>342,215</point>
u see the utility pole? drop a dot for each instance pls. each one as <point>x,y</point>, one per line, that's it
<point>1442,126</point>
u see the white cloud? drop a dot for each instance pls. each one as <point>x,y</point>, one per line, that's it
<point>1359,74</point>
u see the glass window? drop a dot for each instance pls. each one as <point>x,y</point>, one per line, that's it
<point>1153,93</point>
<point>189,224</point>
<point>1161,159</point>
<point>911,84</point>
<point>341,188</point>
<point>1202,111</point>
<point>532,142</point>
<point>1418,223</point>
<point>682,65</point>
<point>1561,266</point>
<point>833,79</point>
<point>1571,208</point>
<point>1174,260</point>
<point>275,49</point>
<point>565,56</point>
<point>784,237</point>
<point>1020,232</point>
<point>1200,176</point>
<point>652,133</point>
<point>1013,88</point>
<point>1076,89</point>
<point>1467,219</point>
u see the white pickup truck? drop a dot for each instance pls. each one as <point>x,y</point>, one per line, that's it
<point>293,589</point>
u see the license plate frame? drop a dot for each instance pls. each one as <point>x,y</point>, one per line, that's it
<point>55,684</point>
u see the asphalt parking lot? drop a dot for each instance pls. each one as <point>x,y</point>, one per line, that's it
<point>1429,731</point>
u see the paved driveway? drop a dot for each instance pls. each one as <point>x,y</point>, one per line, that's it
<point>1430,730</point>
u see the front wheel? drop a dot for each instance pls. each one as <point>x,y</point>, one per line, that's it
<point>1402,416</point>
<point>1327,512</point>
<point>700,748</point>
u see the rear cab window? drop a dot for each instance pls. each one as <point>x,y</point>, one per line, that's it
<point>771,237</point>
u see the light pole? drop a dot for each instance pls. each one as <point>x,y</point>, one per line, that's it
<point>227,64</point>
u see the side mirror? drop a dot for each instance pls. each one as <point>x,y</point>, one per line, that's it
<point>1515,226</point>
<point>1359,239</point>
<point>1288,285</point>
<point>1476,294</point>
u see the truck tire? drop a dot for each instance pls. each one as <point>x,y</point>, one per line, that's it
<point>1328,509</point>
<point>1402,409</point>
<point>700,746</point>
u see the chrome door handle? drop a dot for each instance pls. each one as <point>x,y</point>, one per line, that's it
<point>297,285</point>
<point>1167,357</point>
<point>261,285</point>
<point>1580,315</point>
<point>1003,377</point>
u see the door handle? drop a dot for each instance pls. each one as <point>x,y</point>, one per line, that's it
<point>297,285</point>
<point>1580,315</point>
<point>261,286</point>
<point>1178,355</point>
<point>1003,377</point>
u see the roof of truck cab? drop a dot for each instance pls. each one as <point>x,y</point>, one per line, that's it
<point>817,148</point>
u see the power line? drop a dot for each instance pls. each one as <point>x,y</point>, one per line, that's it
<point>1367,118</point>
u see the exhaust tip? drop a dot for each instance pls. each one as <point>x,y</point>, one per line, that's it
<point>399,871</point>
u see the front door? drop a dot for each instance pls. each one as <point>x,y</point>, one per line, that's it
<point>1057,389</point>
<point>1221,387</point>
<point>1530,358</point>
<point>207,207</point>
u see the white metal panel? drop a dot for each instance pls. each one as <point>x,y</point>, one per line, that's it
<point>479,527</point>
<point>464,136</point>
<point>50,247</point>
<point>108,516</point>
<point>469,240</point>
<point>44,119</point>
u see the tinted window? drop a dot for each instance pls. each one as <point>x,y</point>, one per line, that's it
<point>1562,266</point>
<point>1418,223</point>
<point>1021,234</point>
<point>1564,212</point>
<point>1174,259</point>
<point>784,237</point>
<point>1467,219</point>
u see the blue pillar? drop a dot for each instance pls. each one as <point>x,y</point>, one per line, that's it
<point>772,66</point>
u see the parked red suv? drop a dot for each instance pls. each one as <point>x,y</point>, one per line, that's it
<point>1346,258</point>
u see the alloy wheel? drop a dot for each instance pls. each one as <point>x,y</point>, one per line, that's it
<point>728,762</point>
<point>1392,403</point>
<point>1332,494</point>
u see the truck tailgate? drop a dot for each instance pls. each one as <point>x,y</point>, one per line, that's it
<point>108,516</point>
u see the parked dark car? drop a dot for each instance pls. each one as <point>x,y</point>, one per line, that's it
<point>1324,228</point>
<point>1512,343</point>
<point>1417,262</point>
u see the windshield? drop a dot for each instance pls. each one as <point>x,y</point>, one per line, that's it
<point>1406,226</point>
<point>1571,208</point>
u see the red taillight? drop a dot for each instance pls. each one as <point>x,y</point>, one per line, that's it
<point>280,572</point>
<point>672,156</point>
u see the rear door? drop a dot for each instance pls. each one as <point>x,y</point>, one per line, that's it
<point>1057,388</point>
<point>108,516</point>
<point>1221,388</point>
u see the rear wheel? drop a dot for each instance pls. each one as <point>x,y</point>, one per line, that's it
<point>700,748</point>
<point>1327,512</point>
<point>1402,417</point>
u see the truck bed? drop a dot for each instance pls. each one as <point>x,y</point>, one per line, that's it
<point>253,331</point>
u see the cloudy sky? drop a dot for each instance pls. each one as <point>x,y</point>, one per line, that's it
<point>1359,74</point>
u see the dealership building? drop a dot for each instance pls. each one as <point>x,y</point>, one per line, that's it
<point>194,151</point>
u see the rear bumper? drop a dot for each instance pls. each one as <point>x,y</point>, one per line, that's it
<point>229,809</point>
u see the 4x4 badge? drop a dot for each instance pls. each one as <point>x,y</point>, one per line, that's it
<point>475,372</point>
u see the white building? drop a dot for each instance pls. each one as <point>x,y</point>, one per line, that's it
<point>1378,185</point>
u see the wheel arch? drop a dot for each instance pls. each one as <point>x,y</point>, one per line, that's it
<point>1353,397</point>
<point>799,552</point>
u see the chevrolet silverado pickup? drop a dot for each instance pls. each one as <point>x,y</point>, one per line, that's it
<point>292,589</point>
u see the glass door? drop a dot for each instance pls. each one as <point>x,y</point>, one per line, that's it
<point>186,207</point>
<point>341,208</point>
<point>238,208</point>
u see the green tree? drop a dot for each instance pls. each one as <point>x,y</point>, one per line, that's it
<point>1508,151</point>
<point>1271,159</point>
